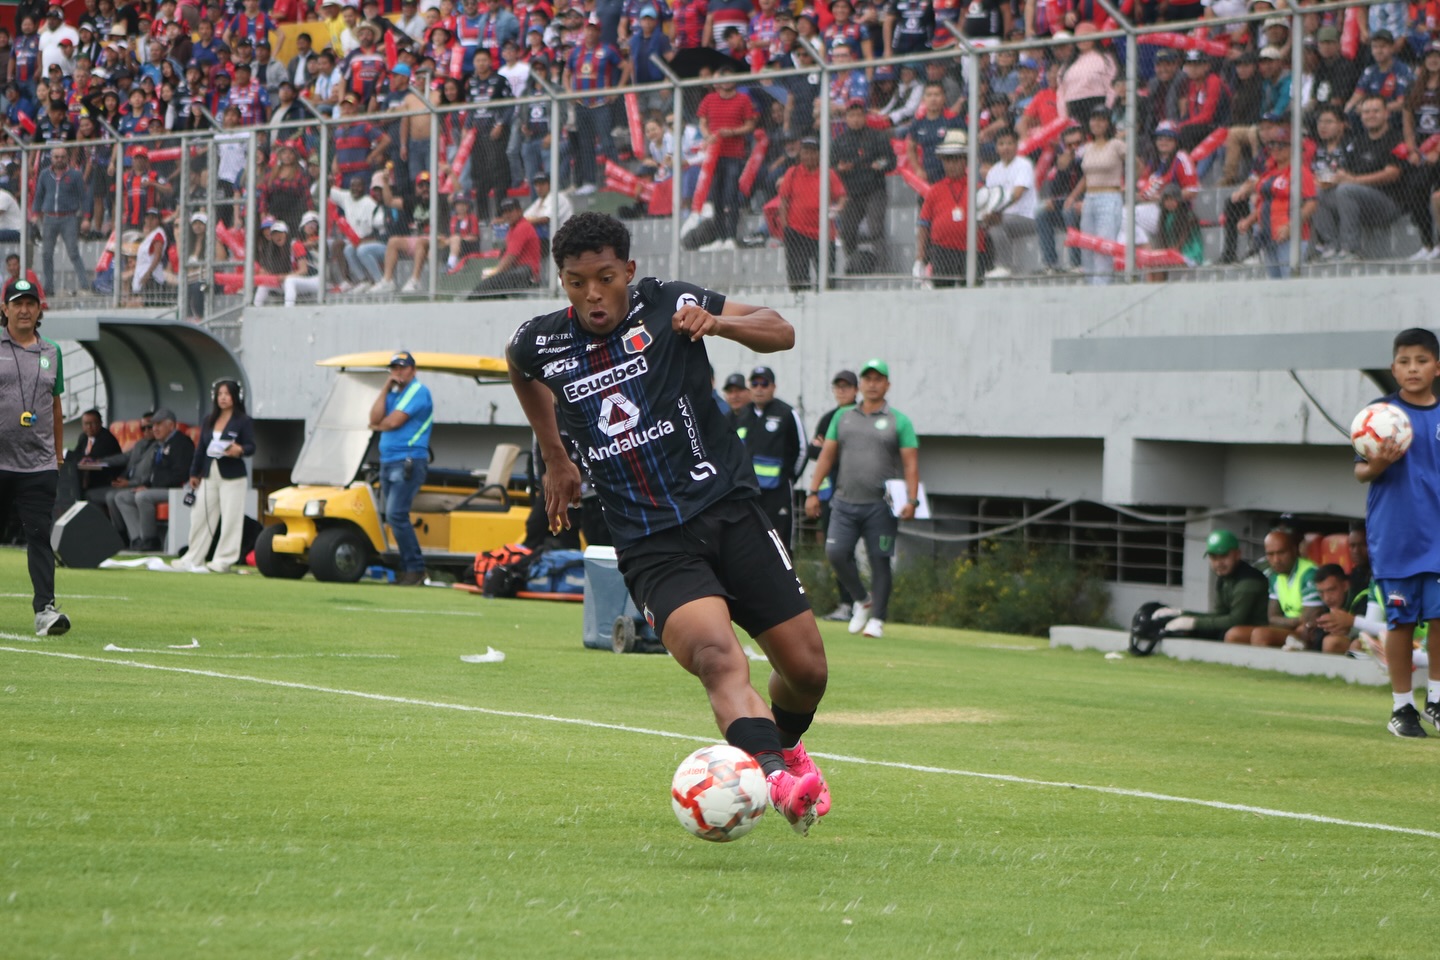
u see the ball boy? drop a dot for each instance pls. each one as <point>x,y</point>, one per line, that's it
<point>1402,512</point>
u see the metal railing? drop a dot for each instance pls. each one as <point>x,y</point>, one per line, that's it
<point>229,197</point>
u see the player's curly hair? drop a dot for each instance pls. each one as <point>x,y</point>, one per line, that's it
<point>590,233</point>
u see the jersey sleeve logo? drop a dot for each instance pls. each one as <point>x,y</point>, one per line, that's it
<point>686,300</point>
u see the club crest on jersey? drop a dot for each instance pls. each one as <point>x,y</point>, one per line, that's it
<point>637,340</point>
<point>686,300</point>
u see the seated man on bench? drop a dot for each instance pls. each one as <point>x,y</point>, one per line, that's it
<point>1241,596</point>
<point>172,453</point>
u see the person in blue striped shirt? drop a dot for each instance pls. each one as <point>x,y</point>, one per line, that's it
<point>403,415</point>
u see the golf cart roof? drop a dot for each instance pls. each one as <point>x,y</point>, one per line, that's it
<point>460,364</point>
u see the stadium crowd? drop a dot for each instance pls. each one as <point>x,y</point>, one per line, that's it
<point>398,82</point>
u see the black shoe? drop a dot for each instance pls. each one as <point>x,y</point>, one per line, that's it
<point>1405,722</point>
<point>1432,713</point>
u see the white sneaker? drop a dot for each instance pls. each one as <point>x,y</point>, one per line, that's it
<point>692,220</point>
<point>997,273</point>
<point>411,286</point>
<point>358,288</point>
<point>1293,645</point>
<point>345,286</point>
<point>874,628</point>
<point>51,622</point>
<point>214,567</point>
<point>1435,252</point>
<point>860,614</point>
<point>584,190</point>
<point>384,286</point>
<point>1424,253</point>
<point>840,614</point>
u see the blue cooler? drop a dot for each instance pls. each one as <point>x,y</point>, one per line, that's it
<point>611,620</point>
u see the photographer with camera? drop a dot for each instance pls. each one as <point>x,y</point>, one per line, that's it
<point>403,414</point>
<point>31,440</point>
<point>218,482</point>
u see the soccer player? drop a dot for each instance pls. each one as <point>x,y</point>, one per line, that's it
<point>627,366</point>
<point>1402,510</point>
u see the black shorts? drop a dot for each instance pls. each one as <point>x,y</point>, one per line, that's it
<point>728,550</point>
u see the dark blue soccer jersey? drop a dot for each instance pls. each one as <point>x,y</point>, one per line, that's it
<point>638,405</point>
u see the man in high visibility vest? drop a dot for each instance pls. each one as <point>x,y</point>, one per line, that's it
<point>1294,600</point>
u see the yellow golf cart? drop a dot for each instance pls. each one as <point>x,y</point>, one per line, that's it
<point>329,522</point>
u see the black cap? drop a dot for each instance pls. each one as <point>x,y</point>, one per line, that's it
<point>762,373</point>
<point>847,377</point>
<point>510,203</point>
<point>403,358</point>
<point>736,381</point>
<point>1385,35</point>
<point>1168,54</point>
<point>540,175</point>
<point>19,289</point>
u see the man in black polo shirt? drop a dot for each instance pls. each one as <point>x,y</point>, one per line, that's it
<point>1366,192</point>
<point>625,370</point>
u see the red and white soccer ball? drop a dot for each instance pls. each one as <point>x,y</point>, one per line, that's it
<point>719,793</point>
<point>1376,424</point>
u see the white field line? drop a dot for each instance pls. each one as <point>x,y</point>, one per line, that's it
<point>68,596</point>
<point>433,613</point>
<point>623,728</point>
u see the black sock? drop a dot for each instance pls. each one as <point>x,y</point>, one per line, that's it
<point>792,725</point>
<point>760,738</point>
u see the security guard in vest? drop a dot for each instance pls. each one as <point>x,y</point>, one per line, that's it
<point>775,438</point>
<point>1294,600</point>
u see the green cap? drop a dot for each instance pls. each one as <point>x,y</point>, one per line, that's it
<point>878,365</point>
<point>1220,541</point>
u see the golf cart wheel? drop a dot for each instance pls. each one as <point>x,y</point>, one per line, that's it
<point>281,566</point>
<point>622,635</point>
<point>339,555</point>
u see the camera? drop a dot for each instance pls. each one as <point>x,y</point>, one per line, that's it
<point>190,497</point>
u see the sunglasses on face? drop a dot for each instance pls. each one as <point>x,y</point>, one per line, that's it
<point>761,382</point>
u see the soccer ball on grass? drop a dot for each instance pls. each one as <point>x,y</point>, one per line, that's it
<point>1377,423</point>
<point>719,793</point>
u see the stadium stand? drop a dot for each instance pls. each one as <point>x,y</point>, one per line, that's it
<point>192,118</point>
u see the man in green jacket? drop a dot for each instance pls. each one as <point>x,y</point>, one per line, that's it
<point>1242,595</point>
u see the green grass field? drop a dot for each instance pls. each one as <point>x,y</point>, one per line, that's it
<point>324,777</point>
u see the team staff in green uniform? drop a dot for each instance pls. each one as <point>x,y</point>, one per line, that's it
<point>879,444</point>
<point>1295,603</point>
<point>31,440</point>
<point>1240,595</point>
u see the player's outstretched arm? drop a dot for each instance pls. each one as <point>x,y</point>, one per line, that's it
<point>759,328</point>
<point>562,477</point>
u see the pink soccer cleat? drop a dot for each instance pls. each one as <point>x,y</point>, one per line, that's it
<point>798,762</point>
<point>794,798</point>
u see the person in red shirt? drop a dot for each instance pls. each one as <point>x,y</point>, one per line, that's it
<point>519,266</point>
<point>727,118</point>
<point>800,215</point>
<point>1200,98</point>
<point>940,238</point>
<point>1269,224</point>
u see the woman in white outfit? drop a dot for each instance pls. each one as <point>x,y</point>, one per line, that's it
<point>305,278</point>
<point>219,482</point>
